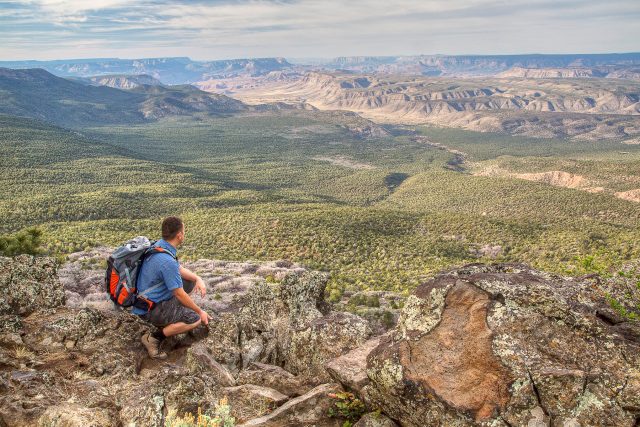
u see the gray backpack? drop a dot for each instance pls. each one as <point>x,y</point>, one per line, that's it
<point>123,267</point>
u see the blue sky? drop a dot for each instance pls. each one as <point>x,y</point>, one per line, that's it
<point>57,29</point>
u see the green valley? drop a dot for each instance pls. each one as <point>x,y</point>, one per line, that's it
<point>380,212</point>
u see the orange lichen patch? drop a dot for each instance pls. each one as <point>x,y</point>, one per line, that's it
<point>455,360</point>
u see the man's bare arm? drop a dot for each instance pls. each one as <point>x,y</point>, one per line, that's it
<point>186,300</point>
<point>187,274</point>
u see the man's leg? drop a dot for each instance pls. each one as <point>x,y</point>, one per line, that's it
<point>190,320</point>
<point>179,328</point>
<point>171,318</point>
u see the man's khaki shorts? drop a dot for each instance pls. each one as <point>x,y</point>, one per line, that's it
<point>171,311</point>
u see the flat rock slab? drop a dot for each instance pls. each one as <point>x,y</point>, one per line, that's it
<point>251,401</point>
<point>273,377</point>
<point>350,369</point>
<point>309,409</point>
<point>258,392</point>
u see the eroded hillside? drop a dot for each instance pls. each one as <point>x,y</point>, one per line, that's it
<point>581,108</point>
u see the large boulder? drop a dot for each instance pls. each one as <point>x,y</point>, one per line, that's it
<point>506,345</point>
<point>29,283</point>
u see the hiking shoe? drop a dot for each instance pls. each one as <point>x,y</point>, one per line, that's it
<point>153,347</point>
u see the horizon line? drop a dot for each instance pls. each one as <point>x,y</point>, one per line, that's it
<point>319,57</point>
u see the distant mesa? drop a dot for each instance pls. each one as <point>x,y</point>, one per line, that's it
<point>124,81</point>
<point>182,70</point>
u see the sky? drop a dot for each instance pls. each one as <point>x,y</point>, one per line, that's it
<point>207,30</point>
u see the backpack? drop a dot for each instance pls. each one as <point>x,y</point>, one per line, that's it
<point>123,267</point>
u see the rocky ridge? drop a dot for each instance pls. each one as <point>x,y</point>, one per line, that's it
<point>480,345</point>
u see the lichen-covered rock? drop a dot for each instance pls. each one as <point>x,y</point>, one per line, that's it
<point>71,415</point>
<point>303,296</point>
<point>287,324</point>
<point>222,341</point>
<point>375,419</point>
<point>10,327</point>
<point>29,283</point>
<point>322,340</point>
<point>310,409</point>
<point>505,344</point>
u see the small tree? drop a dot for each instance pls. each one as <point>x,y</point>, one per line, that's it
<point>27,241</point>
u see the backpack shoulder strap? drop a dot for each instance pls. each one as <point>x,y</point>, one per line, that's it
<point>150,251</point>
<point>158,250</point>
<point>154,287</point>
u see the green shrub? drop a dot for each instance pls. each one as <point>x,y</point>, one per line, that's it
<point>373,301</point>
<point>219,417</point>
<point>348,406</point>
<point>27,241</point>
<point>335,295</point>
<point>387,319</point>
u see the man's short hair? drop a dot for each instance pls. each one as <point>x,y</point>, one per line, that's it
<point>171,226</point>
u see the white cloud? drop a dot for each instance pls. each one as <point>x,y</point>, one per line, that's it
<point>73,7</point>
<point>318,28</point>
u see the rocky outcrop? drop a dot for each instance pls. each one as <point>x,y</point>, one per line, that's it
<point>72,364</point>
<point>322,340</point>
<point>506,345</point>
<point>29,283</point>
<point>493,345</point>
<point>285,324</point>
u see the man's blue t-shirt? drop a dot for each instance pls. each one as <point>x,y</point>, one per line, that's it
<point>159,267</point>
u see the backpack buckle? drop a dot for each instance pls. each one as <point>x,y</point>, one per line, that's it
<point>145,304</point>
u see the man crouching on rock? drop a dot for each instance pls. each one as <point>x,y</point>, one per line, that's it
<point>173,311</point>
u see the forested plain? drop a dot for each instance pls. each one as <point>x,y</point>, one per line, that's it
<point>378,213</point>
